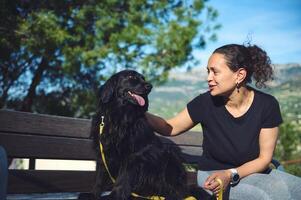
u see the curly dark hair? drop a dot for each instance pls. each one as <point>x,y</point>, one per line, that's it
<point>250,57</point>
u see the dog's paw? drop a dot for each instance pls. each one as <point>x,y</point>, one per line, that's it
<point>120,193</point>
<point>86,196</point>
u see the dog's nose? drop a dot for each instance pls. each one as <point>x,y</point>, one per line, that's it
<point>148,86</point>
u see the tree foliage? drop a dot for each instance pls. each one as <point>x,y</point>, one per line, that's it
<point>288,146</point>
<point>55,54</point>
<point>289,140</point>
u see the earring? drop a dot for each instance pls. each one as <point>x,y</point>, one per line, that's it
<point>237,87</point>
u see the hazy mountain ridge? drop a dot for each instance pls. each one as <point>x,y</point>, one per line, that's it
<point>287,72</point>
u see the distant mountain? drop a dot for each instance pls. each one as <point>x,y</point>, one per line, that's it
<point>170,98</point>
<point>287,72</point>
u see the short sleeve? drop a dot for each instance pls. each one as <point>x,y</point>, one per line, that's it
<point>192,111</point>
<point>196,109</point>
<point>272,115</point>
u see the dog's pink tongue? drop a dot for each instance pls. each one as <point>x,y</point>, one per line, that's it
<point>139,99</point>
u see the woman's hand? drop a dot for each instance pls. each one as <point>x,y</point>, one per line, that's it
<point>211,183</point>
<point>171,127</point>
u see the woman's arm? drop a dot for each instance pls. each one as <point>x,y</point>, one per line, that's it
<point>171,127</point>
<point>267,144</point>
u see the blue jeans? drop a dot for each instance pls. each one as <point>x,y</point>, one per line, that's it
<point>3,173</point>
<point>277,185</point>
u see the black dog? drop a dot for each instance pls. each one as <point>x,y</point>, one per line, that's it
<point>135,156</point>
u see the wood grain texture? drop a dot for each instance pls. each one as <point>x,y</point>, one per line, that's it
<point>46,181</point>
<point>48,147</point>
<point>39,124</point>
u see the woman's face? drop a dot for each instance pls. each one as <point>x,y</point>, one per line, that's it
<point>221,80</point>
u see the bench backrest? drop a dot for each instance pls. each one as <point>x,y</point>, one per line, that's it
<point>39,136</point>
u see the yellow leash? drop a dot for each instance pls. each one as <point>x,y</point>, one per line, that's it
<point>220,193</point>
<point>113,179</point>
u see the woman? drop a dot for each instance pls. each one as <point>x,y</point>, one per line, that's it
<point>240,127</point>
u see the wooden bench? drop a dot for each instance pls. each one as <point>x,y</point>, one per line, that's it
<point>38,136</point>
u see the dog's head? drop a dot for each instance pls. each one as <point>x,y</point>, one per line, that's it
<point>126,88</point>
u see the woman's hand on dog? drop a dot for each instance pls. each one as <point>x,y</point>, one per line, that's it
<point>211,183</point>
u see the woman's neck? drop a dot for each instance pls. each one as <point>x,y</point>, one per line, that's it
<point>240,99</point>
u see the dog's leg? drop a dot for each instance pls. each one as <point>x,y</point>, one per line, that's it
<point>123,186</point>
<point>102,182</point>
<point>175,175</point>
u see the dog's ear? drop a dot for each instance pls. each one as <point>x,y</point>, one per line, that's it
<point>106,91</point>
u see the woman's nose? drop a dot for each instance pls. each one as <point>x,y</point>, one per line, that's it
<point>209,77</point>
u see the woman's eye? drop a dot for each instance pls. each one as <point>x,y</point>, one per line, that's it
<point>215,72</point>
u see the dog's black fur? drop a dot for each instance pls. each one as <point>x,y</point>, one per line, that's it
<point>135,156</point>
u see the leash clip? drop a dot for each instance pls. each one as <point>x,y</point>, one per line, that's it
<point>101,125</point>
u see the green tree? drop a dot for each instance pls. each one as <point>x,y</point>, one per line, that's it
<point>55,54</point>
<point>287,146</point>
<point>288,141</point>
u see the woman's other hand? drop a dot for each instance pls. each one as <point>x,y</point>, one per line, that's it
<point>214,186</point>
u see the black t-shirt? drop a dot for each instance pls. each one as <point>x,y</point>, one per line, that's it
<point>228,141</point>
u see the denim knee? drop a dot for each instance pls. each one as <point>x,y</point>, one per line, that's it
<point>261,186</point>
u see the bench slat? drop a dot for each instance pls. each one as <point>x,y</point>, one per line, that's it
<point>190,138</point>
<point>47,181</point>
<point>191,154</point>
<point>48,147</point>
<point>40,124</point>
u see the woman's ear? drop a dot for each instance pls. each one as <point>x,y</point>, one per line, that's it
<point>241,75</point>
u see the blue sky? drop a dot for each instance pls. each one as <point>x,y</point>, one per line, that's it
<point>273,25</point>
